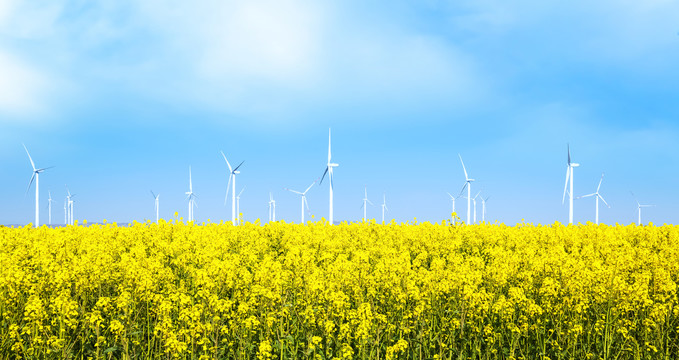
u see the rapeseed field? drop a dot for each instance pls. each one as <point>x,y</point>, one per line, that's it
<point>353,291</point>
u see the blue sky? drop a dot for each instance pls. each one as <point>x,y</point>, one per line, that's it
<point>121,97</point>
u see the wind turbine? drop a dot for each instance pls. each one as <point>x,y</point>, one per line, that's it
<point>384,206</point>
<point>272,208</point>
<point>468,185</point>
<point>69,200</point>
<point>232,177</point>
<point>483,210</point>
<point>36,173</point>
<point>238,204</point>
<point>156,205</point>
<point>190,195</point>
<point>328,170</point>
<point>598,196</point>
<point>365,204</point>
<point>639,206</point>
<point>569,176</point>
<point>452,198</point>
<point>474,200</point>
<point>49,207</point>
<point>304,202</point>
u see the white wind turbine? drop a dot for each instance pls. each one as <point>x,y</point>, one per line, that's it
<point>483,208</point>
<point>232,177</point>
<point>304,202</point>
<point>272,208</point>
<point>468,185</point>
<point>69,201</point>
<point>49,208</point>
<point>474,200</point>
<point>384,206</point>
<point>190,196</point>
<point>238,204</point>
<point>365,204</point>
<point>452,198</point>
<point>639,206</point>
<point>328,170</point>
<point>156,204</point>
<point>569,176</point>
<point>598,196</point>
<point>35,176</point>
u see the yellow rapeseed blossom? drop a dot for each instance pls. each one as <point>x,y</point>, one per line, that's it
<point>351,291</point>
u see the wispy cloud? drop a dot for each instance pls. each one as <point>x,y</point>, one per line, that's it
<point>23,89</point>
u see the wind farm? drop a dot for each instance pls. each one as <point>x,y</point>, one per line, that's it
<point>141,116</point>
<point>472,213</point>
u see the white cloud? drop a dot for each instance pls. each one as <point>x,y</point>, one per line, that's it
<point>22,88</point>
<point>263,59</point>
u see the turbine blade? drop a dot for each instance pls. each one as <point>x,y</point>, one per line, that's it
<point>307,189</point>
<point>323,177</point>
<point>584,196</point>
<point>241,163</point>
<point>602,179</point>
<point>464,187</point>
<point>602,199</point>
<point>29,157</point>
<point>294,191</point>
<point>370,202</point>
<point>227,162</point>
<point>30,183</point>
<point>569,154</point>
<point>466,177</point>
<point>241,191</point>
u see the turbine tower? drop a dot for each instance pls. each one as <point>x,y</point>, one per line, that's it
<point>35,176</point>
<point>639,206</point>
<point>468,185</point>
<point>452,198</point>
<point>232,177</point>
<point>304,202</point>
<point>598,196</point>
<point>569,176</point>
<point>365,204</point>
<point>156,205</point>
<point>238,204</point>
<point>328,170</point>
<point>384,206</point>
<point>190,196</point>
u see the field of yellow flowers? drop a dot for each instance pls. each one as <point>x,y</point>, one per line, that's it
<point>351,291</point>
